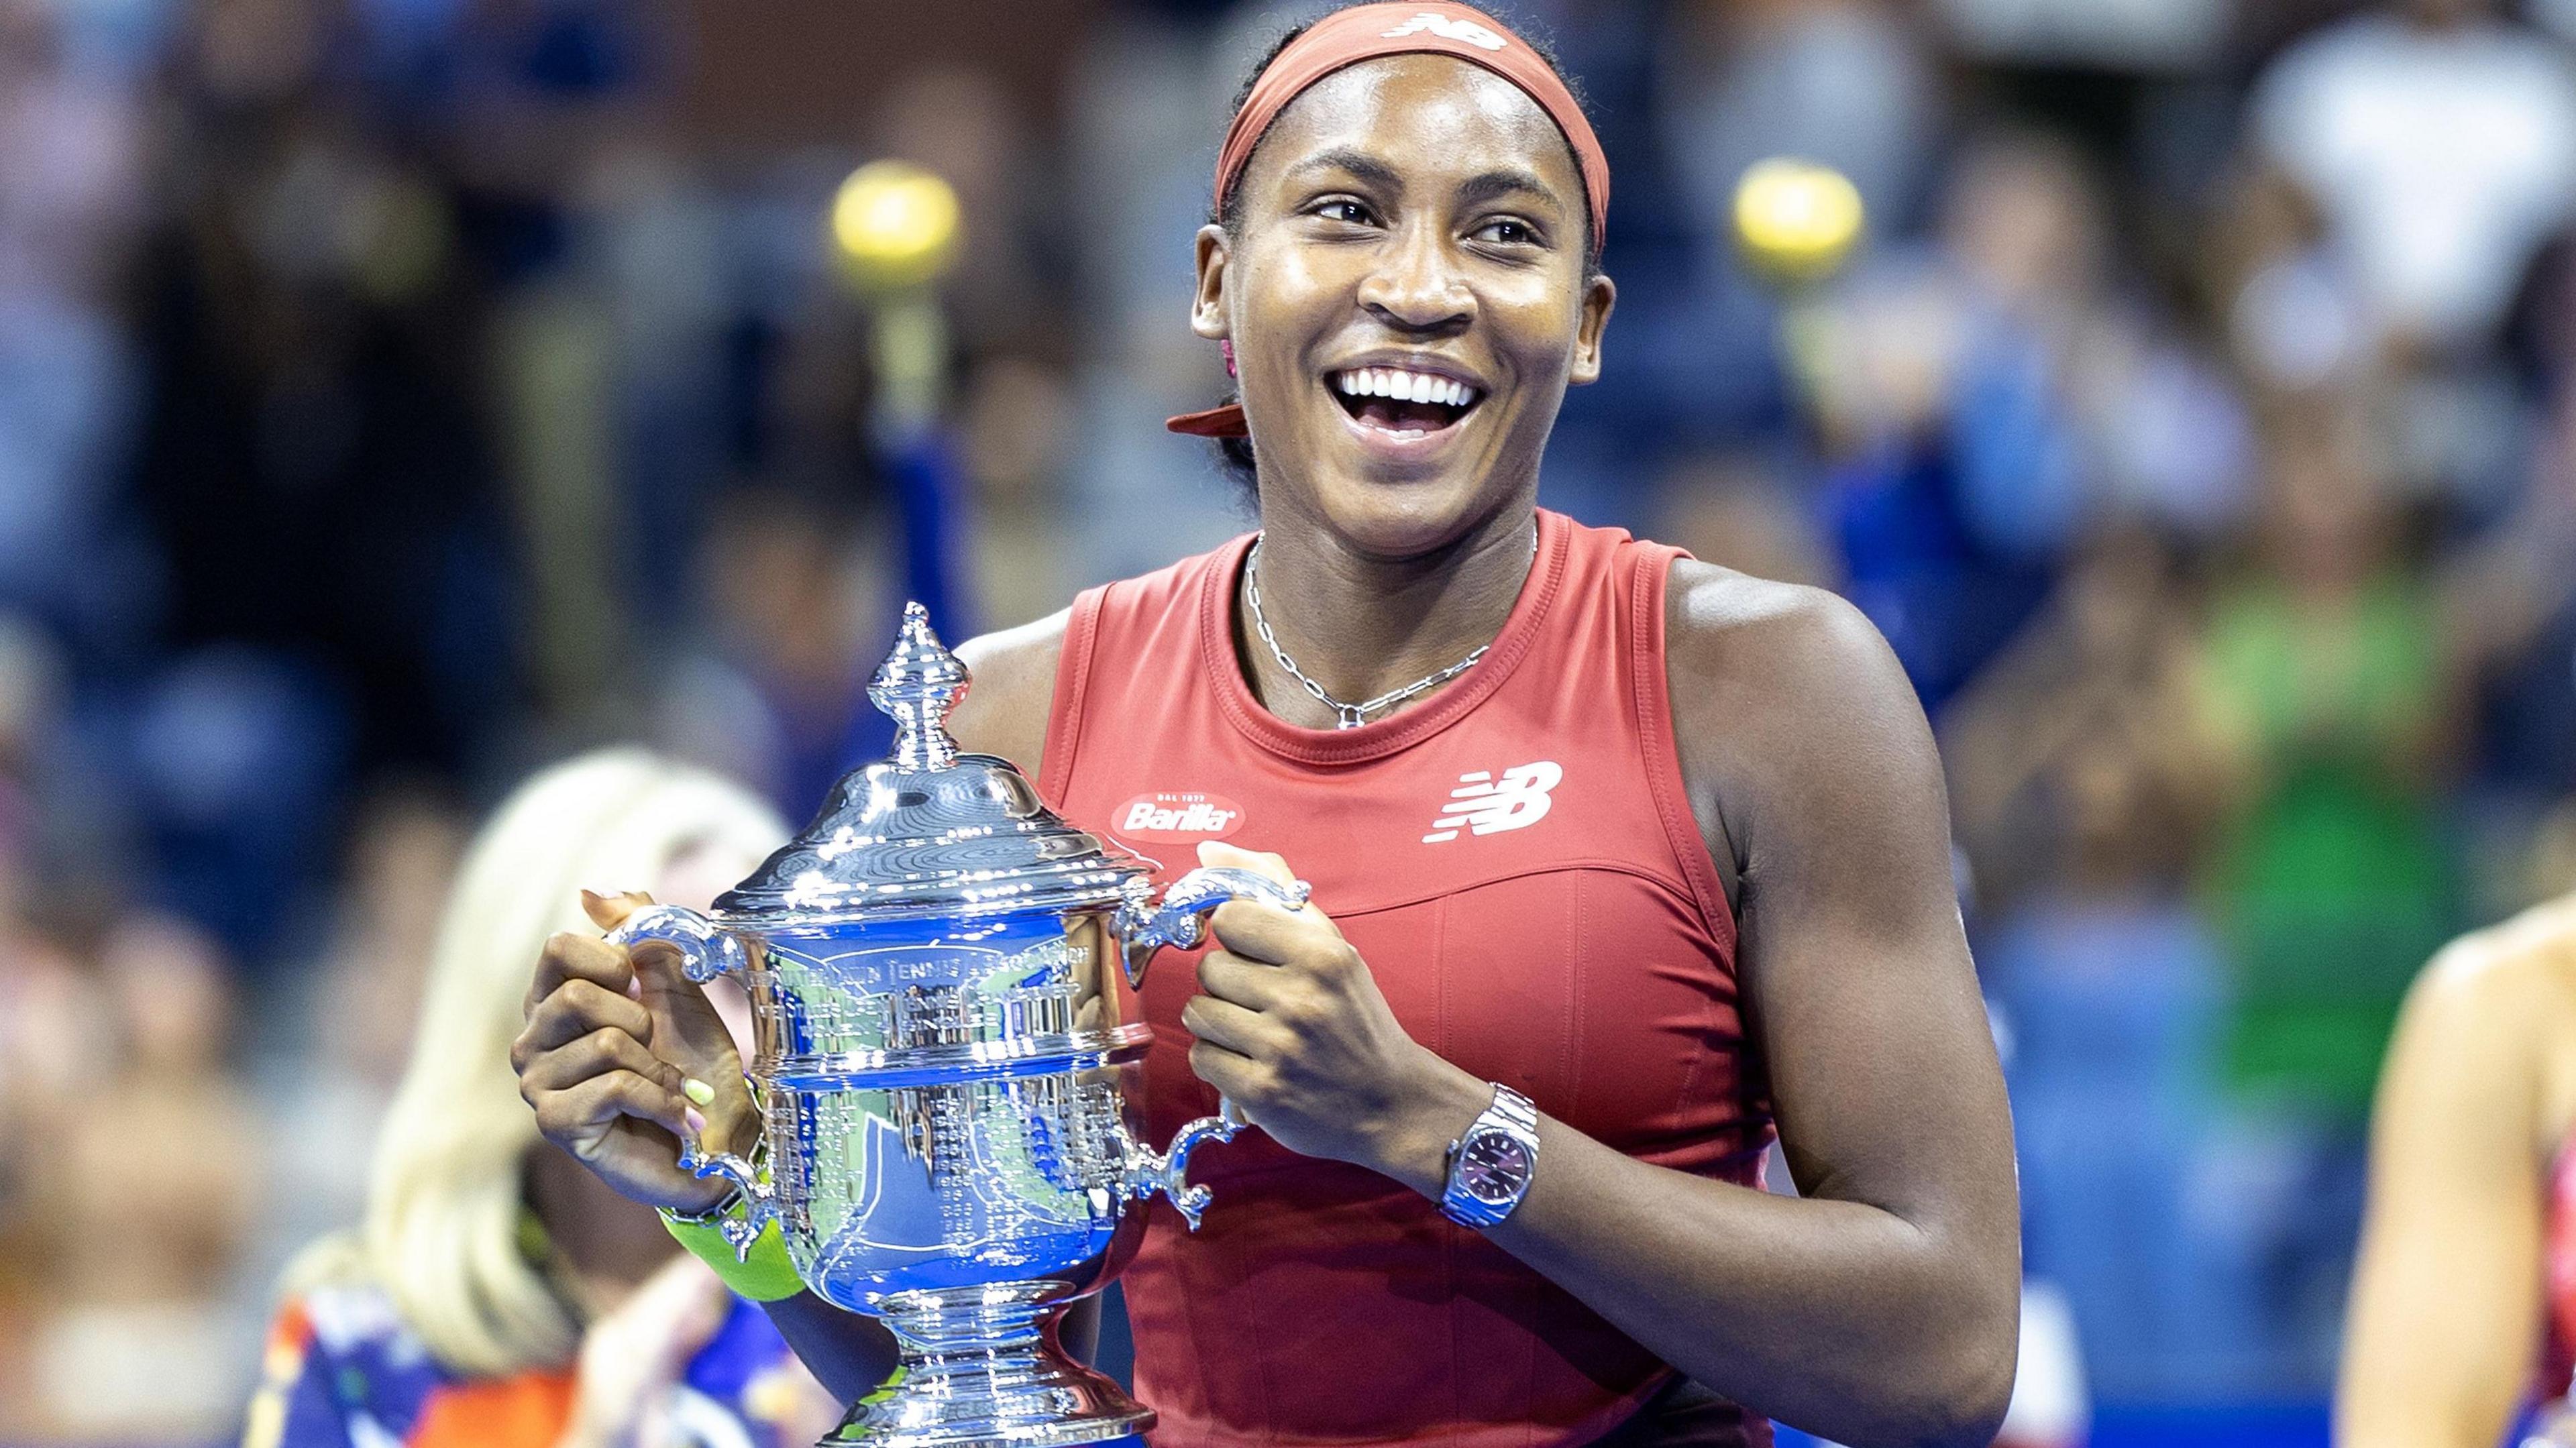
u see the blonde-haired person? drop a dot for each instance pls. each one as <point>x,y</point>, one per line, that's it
<point>498,1294</point>
<point>2463,1317</point>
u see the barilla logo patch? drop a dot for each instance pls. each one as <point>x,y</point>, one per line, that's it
<point>1178,815</point>
<point>1447,29</point>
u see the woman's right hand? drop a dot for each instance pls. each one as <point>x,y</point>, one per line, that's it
<point>617,1039</point>
<point>635,1355</point>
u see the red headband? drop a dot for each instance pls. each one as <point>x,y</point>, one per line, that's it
<point>1365,32</point>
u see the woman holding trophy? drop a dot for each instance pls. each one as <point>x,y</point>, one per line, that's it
<point>1620,864</point>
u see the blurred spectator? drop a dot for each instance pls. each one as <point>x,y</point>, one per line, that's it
<point>2438,140</point>
<point>1018,423</point>
<point>2081,769</point>
<point>1732,511</point>
<point>2329,882</point>
<point>2434,144</point>
<point>2117,35</point>
<point>235,759</point>
<point>55,1043</point>
<point>2084,790</point>
<point>143,1194</point>
<point>352,1028</point>
<point>497,1288</point>
<point>1847,83</point>
<point>72,165</point>
<point>1982,404</point>
<point>2323,678</point>
<point>796,614</point>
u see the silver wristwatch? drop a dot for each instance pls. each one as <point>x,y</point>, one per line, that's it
<point>1492,1162</point>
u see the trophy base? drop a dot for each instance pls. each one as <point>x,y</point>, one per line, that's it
<point>981,1369</point>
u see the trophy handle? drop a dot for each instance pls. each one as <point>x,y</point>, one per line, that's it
<point>1168,1171</point>
<point>1145,927</point>
<point>707,950</point>
<point>759,1198</point>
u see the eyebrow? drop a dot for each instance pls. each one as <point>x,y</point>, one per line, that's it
<point>1493,185</point>
<point>1479,188</point>
<point>1361,164</point>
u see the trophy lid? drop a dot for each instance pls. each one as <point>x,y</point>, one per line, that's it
<point>930,832</point>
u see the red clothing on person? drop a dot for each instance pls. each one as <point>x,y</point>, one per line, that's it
<point>2558,1344</point>
<point>1517,861</point>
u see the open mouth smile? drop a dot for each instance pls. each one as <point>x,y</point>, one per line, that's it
<point>1403,405</point>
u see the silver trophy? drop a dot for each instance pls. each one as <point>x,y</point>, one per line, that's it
<point>948,1069</point>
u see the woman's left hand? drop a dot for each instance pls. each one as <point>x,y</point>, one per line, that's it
<point>1292,1028</point>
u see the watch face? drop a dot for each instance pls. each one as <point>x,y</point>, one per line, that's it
<point>1493,1166</point>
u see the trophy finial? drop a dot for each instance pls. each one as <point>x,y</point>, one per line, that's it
<point>917,686</point>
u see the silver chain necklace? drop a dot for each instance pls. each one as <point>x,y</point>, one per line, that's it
<point>1350,716</point>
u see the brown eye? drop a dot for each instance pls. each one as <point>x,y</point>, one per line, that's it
<point>1343,210</point>
<point>1507,232</point>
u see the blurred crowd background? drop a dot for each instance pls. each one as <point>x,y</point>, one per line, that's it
<point>396,395</point>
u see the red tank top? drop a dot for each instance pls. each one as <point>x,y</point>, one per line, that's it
<point>1517,861</point>
<point>2558,1347</point>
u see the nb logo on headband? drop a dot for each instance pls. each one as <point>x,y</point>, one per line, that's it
<point>1448,29</point>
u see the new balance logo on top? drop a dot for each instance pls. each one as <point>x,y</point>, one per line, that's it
<point>1448,29</point>
<point>1484,805</point>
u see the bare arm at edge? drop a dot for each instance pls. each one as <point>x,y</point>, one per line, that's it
<point>1004,713</point>
<point>2447,1303</point>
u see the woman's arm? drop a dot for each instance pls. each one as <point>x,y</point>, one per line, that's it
<point>1879,1309</point>
<point>2445,1319</point>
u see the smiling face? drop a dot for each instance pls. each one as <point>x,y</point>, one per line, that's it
<point>1406,292</point>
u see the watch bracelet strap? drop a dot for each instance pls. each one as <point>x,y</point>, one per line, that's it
<point>1514,1108</point>
<point>1510,1109</point>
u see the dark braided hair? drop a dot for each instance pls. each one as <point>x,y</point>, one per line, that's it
<point>1235,453</point>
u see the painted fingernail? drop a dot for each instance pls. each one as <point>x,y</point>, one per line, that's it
<point>695,1121</point>
<point>697,1090</point>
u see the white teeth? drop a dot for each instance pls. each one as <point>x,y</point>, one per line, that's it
<point>1404,386</point>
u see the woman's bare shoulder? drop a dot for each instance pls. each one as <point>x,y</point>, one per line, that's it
<point>1005,709</point>
<point>2515,968</point>
<point>1770,679</point>
<point>2490,1026</point>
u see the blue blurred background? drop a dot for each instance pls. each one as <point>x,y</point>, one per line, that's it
<point>396,395</point>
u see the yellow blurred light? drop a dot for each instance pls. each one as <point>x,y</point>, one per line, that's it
<point>1796,219</point>
<point>895,223</point>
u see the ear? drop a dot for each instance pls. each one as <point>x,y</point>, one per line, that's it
<point>1598,297</point>
<point>1207,307</point>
